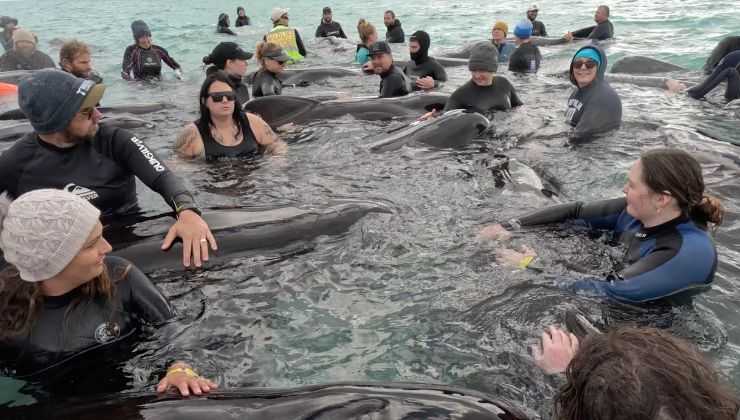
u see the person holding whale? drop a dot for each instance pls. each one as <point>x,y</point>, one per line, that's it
<point>69,150</point>
<point>424,71</point>
<point>728,70</point>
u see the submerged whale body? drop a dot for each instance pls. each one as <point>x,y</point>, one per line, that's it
<point>643,65</point>
<point>14,76</point>
<point>136,109</point>
<point>344,401</point>
<point>14,131</point>
<point>307,75</point>
<point>521,177</point>
<point>453,129</point>
<point>280,110</point>
<point>239,231</point>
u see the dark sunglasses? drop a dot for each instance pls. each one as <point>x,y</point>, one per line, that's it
<point>590,64</point>
<point>219,96</point>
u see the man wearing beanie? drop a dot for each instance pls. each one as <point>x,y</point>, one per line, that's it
<point>286,37</point>
<point>484,92</point>
<point>527,57</point>
<point>504,48</point>
<point>24,55</point>
<point>424,71</point>
<point>538,28</point>
<point>143,60</point>
<point>328,26</point>
<point>593,107</point>
<point>393,82</point>
<point>69,151</point>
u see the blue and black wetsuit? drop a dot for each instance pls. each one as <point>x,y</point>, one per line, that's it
<point>726,70</point>
<point>662,261</point>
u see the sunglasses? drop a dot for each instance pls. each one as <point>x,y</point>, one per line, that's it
<point>590,64</point>
<point>219,96</point>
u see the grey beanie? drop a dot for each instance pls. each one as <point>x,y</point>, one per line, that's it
<point>483,57</point>
<point>51,98</point>
<point>42,231</point>
<point>139,29</point>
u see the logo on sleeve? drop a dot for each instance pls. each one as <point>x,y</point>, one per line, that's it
<point>107,332</point>
<point>82,192</point>
<point>148,155</point>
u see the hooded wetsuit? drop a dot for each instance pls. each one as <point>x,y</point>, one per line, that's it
<point>241,20</point>
<point>12,60</point>
<point>223,25</point>
<point>526,59</point>
<point>394,33</point>
<point>662,261</point>
<point>330,29</point>
<point>727,70</point>
<point>266,83</point>
<point>726,46</point>
<point>599,32</point>
<point>142,64</point>
<point>214,150</point>
<point>595,108</point>
<point>500,96</point>
<point>421,65</point>
<point>394,83</point>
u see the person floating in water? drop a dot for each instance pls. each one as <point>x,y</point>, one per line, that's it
<point>527,57</point>
<point>222,27</point>
<point>143,60</point>
<point>272,61</point>
<point>75,58</point>
<point>232,60</point>
<point>498,39</point>
<point>424,71</point>
<point>241,18</point>
<point>394,31</point>
<point>24,55</point>
<point>328,26</point>
<point>368,36</point>
<point>393,82</point>
<point>601,32</point>
<point>538,28</point>
<point>286,37</point>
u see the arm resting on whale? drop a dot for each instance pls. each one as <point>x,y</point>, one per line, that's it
<point>265,136</point>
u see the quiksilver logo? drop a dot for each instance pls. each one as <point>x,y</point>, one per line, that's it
<point>82,192</point>
<point>148,155</point>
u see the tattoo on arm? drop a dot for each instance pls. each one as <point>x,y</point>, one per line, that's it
<point>186,142</point>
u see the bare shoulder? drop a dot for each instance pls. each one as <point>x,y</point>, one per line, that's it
<point>189,143</point>
<point>262,131</point>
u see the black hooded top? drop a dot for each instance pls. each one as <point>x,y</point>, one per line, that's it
<point>223,25</point>
<point>421,65</point>
<point>394,33</point>
<point>595,108</point>
<point>241,20</point>
<point>332,28</point>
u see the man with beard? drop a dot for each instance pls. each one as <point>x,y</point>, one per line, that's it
<point>394,33</point>
<point>329,27</point>
<point>393,82</point>
<point>424,71</point>
<point>75,58</point>
<point>24,55</point>
<point>68,150</point>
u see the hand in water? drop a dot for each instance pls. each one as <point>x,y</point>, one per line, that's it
<point>556,351</point>
<point>568,36</point>
<point>495,232</point>
<point>512,258</point>
<point>196,237</point>
<point>674,86</point>
<point>425,83</point>
<point>429,115</point>
<point>182,377</point>
<point>178,74</point>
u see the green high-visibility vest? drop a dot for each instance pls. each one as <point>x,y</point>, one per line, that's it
<point>285,37</point>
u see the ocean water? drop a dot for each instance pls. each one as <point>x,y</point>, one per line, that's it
<point>410,296</point>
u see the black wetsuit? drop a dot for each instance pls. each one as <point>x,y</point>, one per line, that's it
<point>101,171</point>
<point>94,76</point>
<point>538,28</point>
<point>266,83</point>
<point>70,326</point>
<point>671,259</point>
<point>428,67</point>
<point>7,42</point>
<point>141,64</point>
<point>593,109</point>
<point>221,29</point>
<point>394,33</point>
<point>12,60</point>
<point>394,83</point>
<point>526,59</point>
<point>726,46</point>
<point>500,96</point>
<point>242,21</point>
<point>216,151</point>
<point>330,29</point>
<point>727,70</point>
<point>599,32</point>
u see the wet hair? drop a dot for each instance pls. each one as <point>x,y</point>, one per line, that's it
<point>679,174</point>
<point>264,47</point>
<point>204,122</point>
<point>72,49</point>
<point>223,20</point>
<point>642,374</point>
<point>605,9</point>
<point>365,29</point>
<point>240,9</point>
<point>390,12</point>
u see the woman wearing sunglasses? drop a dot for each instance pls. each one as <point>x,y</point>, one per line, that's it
<point>272,61</point>
<point>223,131</point>
<point>594,107</point>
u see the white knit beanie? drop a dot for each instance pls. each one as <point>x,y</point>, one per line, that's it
<point>43,230</point>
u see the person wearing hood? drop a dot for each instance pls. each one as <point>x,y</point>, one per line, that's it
<point>424,71</point>
<point>394,32</point>
<point>594,107</point>
<point>538,28</point>
<point>368,36</point>
<point>232,60</point>
<point>75,58</point>
<point>527,57</point>
<point>286,37</point>
<point>602,31</point>
<point>6,37</point>
<point>484,92</point>
<point>728,70</point>
<point>393,82</point>
<point>24,55</point>
<point>143,59</point>
<point>498,38</point>
<point>241,18</point>
<point>272,61</point>
<point>329,27</point>
<point>222,27</point>
<point>724,47</point>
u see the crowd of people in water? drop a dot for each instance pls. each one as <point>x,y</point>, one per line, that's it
<point>61,295</point>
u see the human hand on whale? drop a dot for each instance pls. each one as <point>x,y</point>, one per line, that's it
<point>196,237</point>
<point>182,377</point>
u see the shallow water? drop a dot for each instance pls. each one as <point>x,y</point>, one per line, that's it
<point>412,296</point>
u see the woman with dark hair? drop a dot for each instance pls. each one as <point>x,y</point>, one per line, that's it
<point>635,374</point>
<point>223,131</point>
<point>62,298</point>
<point>222,27</point>
<point>272,61</point>
<point>662,219</point>
<point>241,17</point>
<point>229,57</point>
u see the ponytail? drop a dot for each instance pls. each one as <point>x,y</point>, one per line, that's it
<point>708,210</point>
<point>365,29</point>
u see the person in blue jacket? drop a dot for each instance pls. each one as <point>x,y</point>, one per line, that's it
<point>662,219</point>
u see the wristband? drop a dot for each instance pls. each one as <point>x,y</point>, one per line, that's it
<point>524,263</point>
<point>186,370</point>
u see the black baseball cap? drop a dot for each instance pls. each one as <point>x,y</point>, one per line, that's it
<point>228,51</point>
<point>380,47</point>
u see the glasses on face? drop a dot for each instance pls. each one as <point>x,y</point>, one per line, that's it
<point>220,96</point>
<point>590,64</point>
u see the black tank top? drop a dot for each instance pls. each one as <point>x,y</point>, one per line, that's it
<point>217,151</point>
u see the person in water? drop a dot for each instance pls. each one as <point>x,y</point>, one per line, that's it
<point>424,71</point>
<point>593,107</point>
<point>223,131</point>
<point>527,57</point>
<point>393,82</point>
<point>222,27</point>
<point>484,92</point>
<point>328,26</point>
<point>6,37</point>
<point>62,297</point>
<point>633,373</point>
<point>368,36</point>
<point>728,70</point>
<point>662,219</point>
<point>272,61</point>
<point>24,55</point>
<point>538,28</point>
<point>241,18</point>
<point>232,60</point>
<point>143,60</point>
<point>394,32</point>
<point>286,37</point>
<point>727,45</point>
<point>498,38</point>
<point>75,59</point>
<point>69,150</point>
<point>602,31</point>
